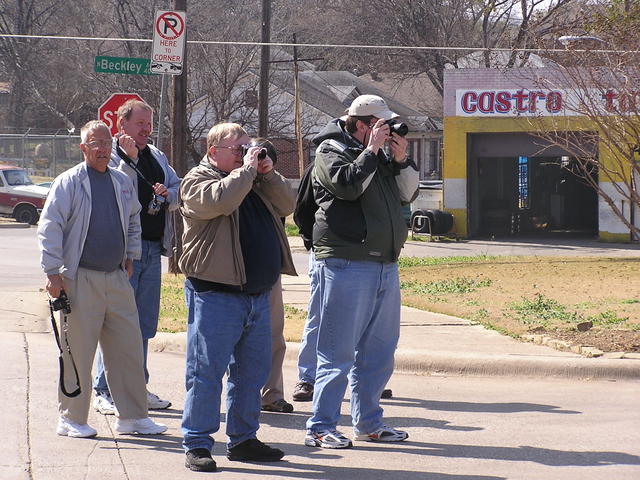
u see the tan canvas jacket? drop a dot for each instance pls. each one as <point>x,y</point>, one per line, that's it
<point>209,202</point>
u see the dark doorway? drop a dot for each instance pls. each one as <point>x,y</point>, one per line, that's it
<point>534,196</point>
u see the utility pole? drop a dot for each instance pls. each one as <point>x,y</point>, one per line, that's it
<point>297,120</point>
<point>296,95</point>
<point>263,95</point>
<point>179,131</point>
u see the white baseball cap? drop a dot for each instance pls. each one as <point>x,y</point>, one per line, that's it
<point>366,105</point>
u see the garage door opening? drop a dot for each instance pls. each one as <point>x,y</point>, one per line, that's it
<point>527,194</point>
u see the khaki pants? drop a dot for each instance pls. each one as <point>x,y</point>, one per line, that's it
<point>273,390</point>
<point>103,309</point>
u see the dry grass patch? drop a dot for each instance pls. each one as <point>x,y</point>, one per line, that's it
<point>518,295</point>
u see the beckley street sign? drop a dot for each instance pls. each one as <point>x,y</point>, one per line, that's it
<point>168,42</point>
<point>126,65</point>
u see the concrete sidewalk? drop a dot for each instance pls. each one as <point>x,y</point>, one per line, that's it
<point>436,344</point>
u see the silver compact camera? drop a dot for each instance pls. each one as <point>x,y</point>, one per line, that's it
<point>157,203</point>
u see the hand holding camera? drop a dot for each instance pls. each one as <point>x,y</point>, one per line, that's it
<point>254,155</point>
<point>61,303</point>
<point>398,146</point>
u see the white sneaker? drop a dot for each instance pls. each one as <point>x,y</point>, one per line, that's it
<point>103,403</point>
<point>142,426</point>
<point>76,430</point>
<point>154,402</point>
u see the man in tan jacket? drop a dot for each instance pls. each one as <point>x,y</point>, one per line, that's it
<point>234,249</point>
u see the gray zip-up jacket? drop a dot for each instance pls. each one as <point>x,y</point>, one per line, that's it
<point>64,221</point>
<point>171,181</point>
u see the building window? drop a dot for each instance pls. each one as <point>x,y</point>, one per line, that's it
<point>434,159</point>
<point>523,183</point>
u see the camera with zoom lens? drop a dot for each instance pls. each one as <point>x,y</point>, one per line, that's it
<point>157,203</point>
<point>261,155</point>
<point>398,128</point>
<point>61,303</point>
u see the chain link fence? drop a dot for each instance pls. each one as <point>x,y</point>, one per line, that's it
<point>43,156</point>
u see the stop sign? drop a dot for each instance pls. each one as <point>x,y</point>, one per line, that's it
<point>107,111</point>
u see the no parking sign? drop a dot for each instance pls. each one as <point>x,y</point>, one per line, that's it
<point>168,42</point>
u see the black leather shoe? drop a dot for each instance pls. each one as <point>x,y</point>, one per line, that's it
<point>253,450</point>
<point>280,405</point>
<point>386,393</point>
<point>199,460</point>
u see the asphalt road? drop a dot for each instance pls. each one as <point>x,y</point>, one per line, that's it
<point>461,427</point>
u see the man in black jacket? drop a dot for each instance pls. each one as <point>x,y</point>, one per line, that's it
<point>358,233</point>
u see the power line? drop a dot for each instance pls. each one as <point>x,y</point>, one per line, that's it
<point>326,45</point>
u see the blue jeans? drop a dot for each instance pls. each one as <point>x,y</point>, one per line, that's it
<point>357,338</point>
<point>145,281</point>
<point>307,357</point>
<point>225,330</point>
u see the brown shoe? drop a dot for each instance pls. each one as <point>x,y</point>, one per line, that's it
<point>303,392</point>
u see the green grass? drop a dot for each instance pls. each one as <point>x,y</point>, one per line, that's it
<point>542,310</point>
<point>407,262</point>
<point>608,317</point>
<point>455,285</point>
<point>291,230</point>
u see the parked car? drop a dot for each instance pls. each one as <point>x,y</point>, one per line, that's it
<point>19,197</point>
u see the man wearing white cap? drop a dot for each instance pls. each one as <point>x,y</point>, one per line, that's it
<point>358,234</point>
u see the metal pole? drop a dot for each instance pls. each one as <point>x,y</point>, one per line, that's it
<point>179,140</point>
<point>163,95</point>
<point>263,96</point>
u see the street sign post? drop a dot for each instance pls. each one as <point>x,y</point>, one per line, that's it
<point>107,111</point>
<point>125,65</point>
<point>168,42</point>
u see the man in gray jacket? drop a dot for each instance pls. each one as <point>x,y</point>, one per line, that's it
<point>158,198</point>
<point>89,235</point>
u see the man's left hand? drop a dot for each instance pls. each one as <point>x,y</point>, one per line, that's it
<point>160,189</point>
<point>265,165</point>
<point>128,266</point>
<point>398,145</point>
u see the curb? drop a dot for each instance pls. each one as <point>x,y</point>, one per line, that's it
<point>14,225</point>
<point>421,363</point>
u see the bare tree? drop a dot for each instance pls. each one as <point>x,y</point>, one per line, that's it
<point>605,93</point>
<point>488,24</point>
<point>20,57</point>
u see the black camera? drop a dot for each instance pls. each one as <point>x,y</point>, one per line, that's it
<point>261,155</point>
<point>398,128</point>
<point>157,203</point>
<point>61,303</point>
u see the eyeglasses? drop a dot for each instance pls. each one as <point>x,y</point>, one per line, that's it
<point>99,143</point>
<point>236,150</point>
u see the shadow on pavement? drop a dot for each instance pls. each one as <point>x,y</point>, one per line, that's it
<point>509,407</point>
<point>524,453</point>
<point>324,472</point>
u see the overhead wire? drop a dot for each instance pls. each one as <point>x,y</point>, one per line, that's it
<point>323,45</point>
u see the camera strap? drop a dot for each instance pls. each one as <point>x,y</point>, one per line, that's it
<point>64,326</point>
<point>133,166</point>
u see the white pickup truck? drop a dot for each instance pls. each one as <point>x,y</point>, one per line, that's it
<point>19,197</point>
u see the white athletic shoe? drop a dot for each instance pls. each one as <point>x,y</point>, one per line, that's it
<point>103,403</point>
<point>142,426</point>
<point>383,434</point>
<point>154,402</point>
<point>76,430</point>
